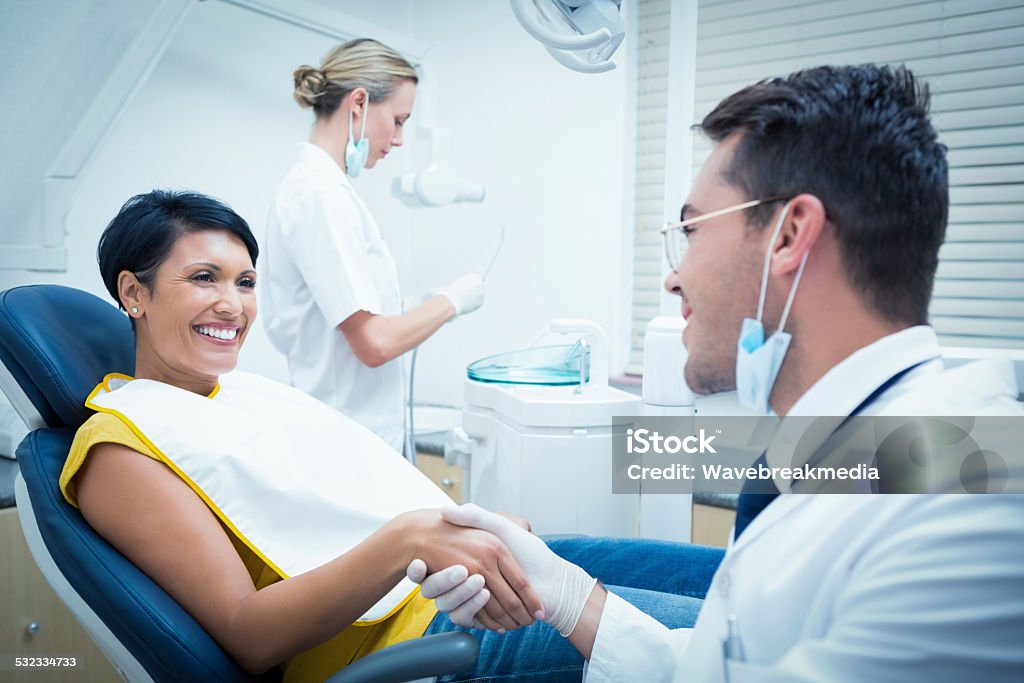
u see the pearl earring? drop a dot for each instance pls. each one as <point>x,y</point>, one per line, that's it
<point>135,309</point>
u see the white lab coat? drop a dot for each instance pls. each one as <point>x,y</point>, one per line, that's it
<point>325,260</point>
<point>857,588</point>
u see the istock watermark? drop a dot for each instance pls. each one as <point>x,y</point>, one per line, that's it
<point>686,454</point>
<point>640,441</point>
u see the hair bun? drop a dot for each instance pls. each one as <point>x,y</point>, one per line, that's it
<point>309,85</point>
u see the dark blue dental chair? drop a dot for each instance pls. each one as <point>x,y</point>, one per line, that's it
<point>56,344</point>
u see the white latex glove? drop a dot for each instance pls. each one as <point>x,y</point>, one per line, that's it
<point>454,592</point>
<point>562,586</point>
<point>466,293</point>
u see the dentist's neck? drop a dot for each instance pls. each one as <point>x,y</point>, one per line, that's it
<point>329,136</point>
<point>826,331</point>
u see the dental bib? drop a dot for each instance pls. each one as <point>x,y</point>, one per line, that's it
<point>295,480</point>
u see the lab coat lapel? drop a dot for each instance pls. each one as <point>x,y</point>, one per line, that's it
<point>780,507</point>
<point>797,441</point>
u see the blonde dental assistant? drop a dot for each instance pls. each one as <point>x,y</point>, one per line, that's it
<point>332,295</point>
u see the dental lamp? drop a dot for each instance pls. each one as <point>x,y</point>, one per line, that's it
<point>437,184</point>
<point>580,34</point>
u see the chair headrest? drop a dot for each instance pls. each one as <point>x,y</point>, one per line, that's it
<point>58,343</point>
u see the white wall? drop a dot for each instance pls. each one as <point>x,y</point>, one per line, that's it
<point>216,115</point>
<point>548,143</point>
<point>52,54</point>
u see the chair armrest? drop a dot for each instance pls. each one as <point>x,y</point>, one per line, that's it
<point>561,537</point>
<point>436,655</point>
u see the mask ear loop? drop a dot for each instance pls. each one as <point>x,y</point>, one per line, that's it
<point>363,128</point>
<point>796,280</point>
<point>792,291</point>
<point>366,110</point>
<point>767,263</point>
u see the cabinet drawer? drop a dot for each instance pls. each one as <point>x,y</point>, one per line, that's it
<point>36,623</point>
<point>447,477</point>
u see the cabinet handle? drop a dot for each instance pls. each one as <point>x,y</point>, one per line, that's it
<point>447,483</point>
<point>32,629</point>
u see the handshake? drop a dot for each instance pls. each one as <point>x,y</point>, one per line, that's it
<point>555,590</point>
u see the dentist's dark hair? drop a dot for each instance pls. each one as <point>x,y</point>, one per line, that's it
<point>144,232</point>
<point>859,138</point>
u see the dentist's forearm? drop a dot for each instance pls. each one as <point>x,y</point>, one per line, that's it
<point>377,339</point>
<point>585,633</point>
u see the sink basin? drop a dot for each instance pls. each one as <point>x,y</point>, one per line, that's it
<point>541,365</point>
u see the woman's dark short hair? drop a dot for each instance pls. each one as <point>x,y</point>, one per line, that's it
<point>858,138</point>
<point>144,232</point>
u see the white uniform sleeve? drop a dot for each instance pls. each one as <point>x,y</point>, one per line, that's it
<point>632,647</point>
<point>324,238</point>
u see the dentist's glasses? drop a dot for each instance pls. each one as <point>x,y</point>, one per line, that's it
<point>675,234</point>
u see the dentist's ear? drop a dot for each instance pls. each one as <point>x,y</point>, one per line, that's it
<point>805,220</point>
<point>131,292</point>
<point>357,101</point>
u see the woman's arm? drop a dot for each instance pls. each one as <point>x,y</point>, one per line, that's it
<point>153,518</point>
<point>377,339</point>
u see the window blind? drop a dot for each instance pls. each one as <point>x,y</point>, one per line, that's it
<point>652,75</point>
<point>971,52</point>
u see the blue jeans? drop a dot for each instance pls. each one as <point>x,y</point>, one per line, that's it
<point>666,580</point>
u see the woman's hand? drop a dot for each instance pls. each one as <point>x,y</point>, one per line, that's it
<point>478,553</point>
<point>563,586</point>
<point>454,591</point>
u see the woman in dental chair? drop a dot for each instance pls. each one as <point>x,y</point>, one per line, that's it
<point>281,526</point>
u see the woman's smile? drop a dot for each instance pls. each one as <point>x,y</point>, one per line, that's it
<point>222,335</point>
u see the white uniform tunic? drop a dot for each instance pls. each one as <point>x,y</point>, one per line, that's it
<point>856,588</point>
<point>325,260</point>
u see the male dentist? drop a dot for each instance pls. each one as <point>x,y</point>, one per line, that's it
<point>814,229</point>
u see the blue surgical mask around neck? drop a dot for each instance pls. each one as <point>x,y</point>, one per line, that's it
<point>356,153</point>
<point>757,360</point>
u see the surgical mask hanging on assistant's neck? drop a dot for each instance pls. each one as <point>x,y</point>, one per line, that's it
<point>356,153</point>
<point>758,361</point>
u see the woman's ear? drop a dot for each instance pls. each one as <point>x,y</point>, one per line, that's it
<point>357,101</point>
<point>131,293</point>
<point>801,230</point>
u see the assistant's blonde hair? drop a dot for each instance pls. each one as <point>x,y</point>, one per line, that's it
<point>359,63</point>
